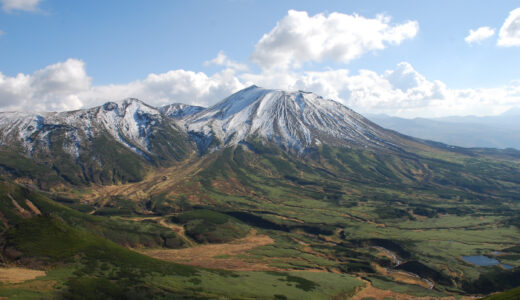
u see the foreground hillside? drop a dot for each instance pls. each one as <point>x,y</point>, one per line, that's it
<point>258,207</point>
<point>79,262</point>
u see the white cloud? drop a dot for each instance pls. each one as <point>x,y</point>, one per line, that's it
<point>51,88</point>
<point>402,92</point>
<point>25,5</point>
<point>479,35</point>
<point>300,38</point>
<point>222,60</point>
<point>190,87</point>
<point>66,86</point>
<point>61,78</point>
<point>509,34</point>
<point>296,39</point>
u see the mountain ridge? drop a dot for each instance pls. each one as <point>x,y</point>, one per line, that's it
<point>119,141</point>
<point>180,110</point>
<point>294,120</point>
<point>106,143</point>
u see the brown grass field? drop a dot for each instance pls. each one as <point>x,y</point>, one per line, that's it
<point>17,275</point>
<point>216,256</point>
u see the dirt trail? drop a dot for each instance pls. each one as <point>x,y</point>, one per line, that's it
<point>208,255</point>
<point>24,213</point>
<point>179,230</point>
<point>17,275</point>
<point>33,207</point>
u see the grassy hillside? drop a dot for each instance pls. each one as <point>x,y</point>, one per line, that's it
<point>120,231</point>
<point>101,159</point>
<point>206,226</point>
<point>507,295</point>
<point>429,210</point>
<point>96,268</point>
<point>398,221</point>
<point>81,264</point>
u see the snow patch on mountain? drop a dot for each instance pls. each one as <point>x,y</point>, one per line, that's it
<point>129,121</point>
<point>180,110</point>
<point>295,120</point>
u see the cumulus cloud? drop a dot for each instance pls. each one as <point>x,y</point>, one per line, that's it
<point>222,60</point>
<point>401,91</point>
<point>54,87</point>
<point>66,86</point>
<point>24,5</point>
<point>479,35</point>
<point>196,88</point>
<point>509,34</point>
<point>300,38</point>
<point>61,78</point>
<point>405,92</point>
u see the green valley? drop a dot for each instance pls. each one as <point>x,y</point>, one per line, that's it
<point>262,218</point>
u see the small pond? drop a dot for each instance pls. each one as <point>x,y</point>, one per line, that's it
<point>482,260</point>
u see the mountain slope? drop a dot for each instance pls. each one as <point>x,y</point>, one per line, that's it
<point>336,197</point>
<point>81,263</point>
<point>338,208</point>
<point>294,120</point>
<point>109,143</point>
<point>121,141</point>
<point>180,110</point>
<point>118,141</point>
<point>130,122</point>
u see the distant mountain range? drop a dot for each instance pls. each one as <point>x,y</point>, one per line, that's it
<point>502,131</point>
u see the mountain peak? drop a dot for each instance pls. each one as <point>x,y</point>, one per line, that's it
<point>293,119</point>
<point>123,104</point>
<point>129,121</point>
<point>180,110</point>
<point>255,94</point>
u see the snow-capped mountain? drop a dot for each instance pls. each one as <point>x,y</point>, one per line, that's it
<point>104,144</point>
<point>130,122</point>
<point>180,110</point>
<point>294,120</point>
<point>113,142</point>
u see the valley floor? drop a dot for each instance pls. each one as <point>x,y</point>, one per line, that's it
<point>262,224</point>
<point>217,256</point>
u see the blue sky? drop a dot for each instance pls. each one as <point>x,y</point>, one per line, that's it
<point>118,43</point>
